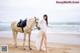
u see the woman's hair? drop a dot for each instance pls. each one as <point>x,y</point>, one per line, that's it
<point>46,19</point>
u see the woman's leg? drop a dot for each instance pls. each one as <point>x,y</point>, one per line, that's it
<point>45,41</point>
<point>41,41</point>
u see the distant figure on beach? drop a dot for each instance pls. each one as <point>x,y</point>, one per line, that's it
<point>41,43</point>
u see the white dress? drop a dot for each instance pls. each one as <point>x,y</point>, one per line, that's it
<point>43,28</point>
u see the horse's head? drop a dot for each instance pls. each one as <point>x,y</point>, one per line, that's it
<point>36,22</point>
<point>33,22</point>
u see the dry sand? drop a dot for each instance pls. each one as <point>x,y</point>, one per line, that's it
<point>51,48</point>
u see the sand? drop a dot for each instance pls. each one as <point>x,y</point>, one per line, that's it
<point>51,47</point>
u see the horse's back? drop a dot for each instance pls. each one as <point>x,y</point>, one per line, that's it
<point>15,28</point>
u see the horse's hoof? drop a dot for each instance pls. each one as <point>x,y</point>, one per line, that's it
<point>24,49</point>
<point>30,48</point>
<point>40,49</point>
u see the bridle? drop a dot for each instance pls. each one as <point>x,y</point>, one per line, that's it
<point>37,24</point>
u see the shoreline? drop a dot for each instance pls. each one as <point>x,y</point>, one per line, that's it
<point>6,39</point>
<point>55,37</point>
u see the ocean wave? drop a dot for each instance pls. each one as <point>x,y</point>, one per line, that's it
<point>51,27</point>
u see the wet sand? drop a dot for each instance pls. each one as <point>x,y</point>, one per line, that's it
<point>51,47</point>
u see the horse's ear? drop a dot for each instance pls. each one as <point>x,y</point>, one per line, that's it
<point>35,17</point>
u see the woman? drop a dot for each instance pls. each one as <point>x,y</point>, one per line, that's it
<point>42,33</point>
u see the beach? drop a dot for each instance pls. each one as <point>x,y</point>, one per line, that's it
<point>57,43</point>
<point>51,47</point>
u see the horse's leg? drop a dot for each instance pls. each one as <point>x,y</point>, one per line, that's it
<point>15,36</point>
<point>29,40</point>
<point>24,40</point>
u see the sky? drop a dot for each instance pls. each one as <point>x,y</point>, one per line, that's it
<point>11,10</point>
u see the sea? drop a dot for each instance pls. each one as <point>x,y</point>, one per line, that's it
<point>65,27</point>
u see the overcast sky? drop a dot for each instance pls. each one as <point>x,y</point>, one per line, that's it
<point>11,10</point>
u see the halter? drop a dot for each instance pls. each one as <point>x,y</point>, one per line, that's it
<point>35,22</point>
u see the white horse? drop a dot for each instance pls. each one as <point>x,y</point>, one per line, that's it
<point>27,30</point>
